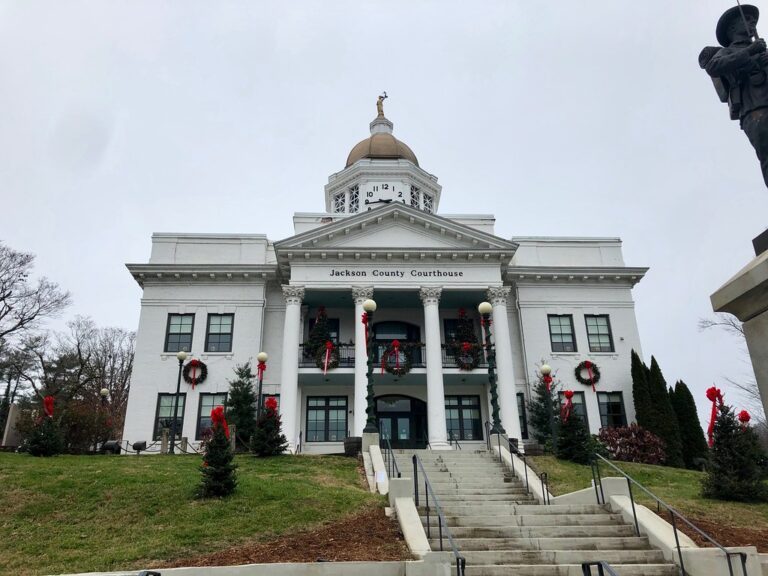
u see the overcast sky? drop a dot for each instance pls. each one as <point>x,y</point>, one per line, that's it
<point>119,119</point>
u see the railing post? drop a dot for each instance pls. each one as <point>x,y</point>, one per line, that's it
<point>632,500</point>
<point>677,542</point>
<point>426,497</point>
<point>415,482</point>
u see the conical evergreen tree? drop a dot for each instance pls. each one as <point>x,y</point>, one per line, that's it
<point>45,439</point>
<point>573,441</point>
<point>666,426</point>
<point>543,411</point>
<point>641,394</point>
<point>464,346</point>
<point>268,440</point>
<point>241,402</point>
<point>694,444</point>
<point>734,468</point>
<point>218,469</point>
<point>318,336</point>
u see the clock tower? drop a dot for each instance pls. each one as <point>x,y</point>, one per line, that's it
<point>381,170</point>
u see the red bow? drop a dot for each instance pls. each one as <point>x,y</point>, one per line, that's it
<point>466,347</point>
<point>548,382</point>
<point>365,323</point>
<point>260,368</point>
<point>462,312</point>
<point>328,348</point>
<point>565,411</point>
<point>396,351</point>
<point>48,406</point>
<point>271,403</point>
<point>193,364</point>
<point>218,419</point>
<point>588,366</point>
<point>716,397</point>
<point>744,418</point>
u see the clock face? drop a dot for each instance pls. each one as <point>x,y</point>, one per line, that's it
<point>377,194</point>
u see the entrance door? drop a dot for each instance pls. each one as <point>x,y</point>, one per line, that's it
<point>402,420</point>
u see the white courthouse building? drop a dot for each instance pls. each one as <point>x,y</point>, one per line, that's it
<point>226,297</point>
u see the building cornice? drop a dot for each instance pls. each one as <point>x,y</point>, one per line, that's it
<point>157,273</point>
<point>574,274</point>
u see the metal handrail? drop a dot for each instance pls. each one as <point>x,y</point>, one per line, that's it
<point>513,449</point>
<point>461,562</point>
<point>452,439</point>
<point>393,470</point>
<point>673,513</point>
<point>544,477</point>
<point>603,568</point>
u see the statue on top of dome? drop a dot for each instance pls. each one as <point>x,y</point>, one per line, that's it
<point>380,103</point>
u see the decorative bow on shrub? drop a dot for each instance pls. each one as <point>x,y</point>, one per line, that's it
<point>218,419</point>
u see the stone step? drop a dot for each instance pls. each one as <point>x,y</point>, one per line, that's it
<point>590,543</point>
<point>483,557</point>
<point>528,520</point>
<point>511,509</point>
<point>480,498</point>
<point>460,491</point>
<point>569,570</point>
<point>609,530</point>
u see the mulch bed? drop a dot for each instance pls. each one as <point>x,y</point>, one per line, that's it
<point>725,534</point>
<point>366,536</point>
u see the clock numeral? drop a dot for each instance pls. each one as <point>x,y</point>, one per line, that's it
<point>385,186</point>
<point>370,194</point>
<point>375,189</point>
<point>400,194</point>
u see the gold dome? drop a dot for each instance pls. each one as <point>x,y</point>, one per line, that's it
<point>382,146</point>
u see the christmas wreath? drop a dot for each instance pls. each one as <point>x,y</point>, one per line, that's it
<point>467,355</point>
<point>397,359</point>
<point>593,374</point>
<point>327,357</point>
<point>195,372</point>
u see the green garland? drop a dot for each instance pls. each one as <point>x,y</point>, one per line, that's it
<point>595,373</point>
<point>467,355</point>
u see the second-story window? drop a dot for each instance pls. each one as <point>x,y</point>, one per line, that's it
<point>599,333</point>
<point>178,335</point>
<point>561,333</point>
<point>218,337</point>
<point>354,199</point>
<point>339,201</point>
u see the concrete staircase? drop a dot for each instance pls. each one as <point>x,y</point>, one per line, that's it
<point>500,529</point>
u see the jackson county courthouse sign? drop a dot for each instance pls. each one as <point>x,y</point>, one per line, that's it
<point>226,297</point>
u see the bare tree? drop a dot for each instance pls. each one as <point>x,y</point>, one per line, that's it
<point>23,302</point>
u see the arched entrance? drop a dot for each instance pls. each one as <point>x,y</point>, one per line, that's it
<point>402,420</point>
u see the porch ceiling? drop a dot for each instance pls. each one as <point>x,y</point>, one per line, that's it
<point>389,298</point>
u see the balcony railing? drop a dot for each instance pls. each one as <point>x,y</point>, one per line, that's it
<point>346,356</point>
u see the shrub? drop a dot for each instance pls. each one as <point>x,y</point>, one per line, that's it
<point>218,469</point>
<point>45,439</point>
<point>574,442</point>
<point>268,440</point>
<point>633,444</point>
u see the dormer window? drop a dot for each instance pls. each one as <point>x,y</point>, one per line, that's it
<point>415,201</point>
<point>428,203</point>
<point>339,202</point>
<point>354,200</point>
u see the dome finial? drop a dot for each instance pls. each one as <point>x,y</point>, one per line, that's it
<point>380,103</point>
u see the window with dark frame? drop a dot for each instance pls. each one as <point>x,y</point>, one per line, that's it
<point>523,415</point>
<point>333,328</point>
<point>208,401</point>
<point>450,329</point>
<point>164,414</point>
<point>462,417</point>
<point>612,414</point>
<point>326,418</point>
<point>218,335</point>
<point>178,334</point>
<point>599,333</point>
<point>561,333</point>
<point>579,406</point>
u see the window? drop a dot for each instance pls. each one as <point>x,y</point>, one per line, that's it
<point>339,201</point>
<point>450,329</point>
<point>462,417</point>
<point>218,337</point>
<point>611,409</point>
<point>561,333</point>
<point>164,414</point>
<point>599,333</point>
<point>523,415</point>
<point>207,403</point>
<point>354,199</point>
<point>429,204</point>
<point>333,328</point>
<point>415,203</point>
<point>579,407</point>
<point>179,333</point>
<point>326,418</point>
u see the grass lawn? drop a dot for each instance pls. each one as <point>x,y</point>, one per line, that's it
<point>89,513</point>
<point>679,488</point>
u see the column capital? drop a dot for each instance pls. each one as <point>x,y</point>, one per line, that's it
<point>362,293</point>
<point>498,295</point>
<point>430,295</point>
<point>293,294</point>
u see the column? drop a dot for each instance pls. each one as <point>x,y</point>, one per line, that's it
<point>438,437</point>
<point>360,295</point>
<point>507,390</point>
<point>289,374</point>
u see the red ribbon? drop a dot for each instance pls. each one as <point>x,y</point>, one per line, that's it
<point>193,364</point>
<point>260,368</point>
<point>218,419</point>
<point>466,347</point>
<point>396,351</point>
<point>744,418</point>
<point>48,406</point>
<point>715,396</point>
<point>588,366</point>
<point>547,382</point>
<point>365,323</point>
<point>565,411</point>
<point>328,348</point>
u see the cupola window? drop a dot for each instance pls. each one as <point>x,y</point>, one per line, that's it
<point>428,203</point>
<point>415,203</point>
<point>354,199</point>
<point>339,202</point>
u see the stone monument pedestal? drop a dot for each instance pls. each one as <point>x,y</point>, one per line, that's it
<point>746,297</point>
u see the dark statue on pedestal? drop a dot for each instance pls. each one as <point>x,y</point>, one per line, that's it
<point>739,71</point>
